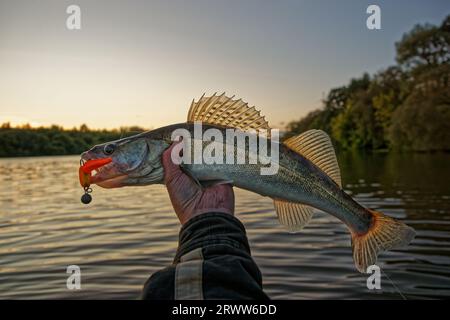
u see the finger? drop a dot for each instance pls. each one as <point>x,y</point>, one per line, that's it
<point>174,178</point>
<point>226,195</point>
<point>171,169</point>
<point>217,198</point>
<point>183,195</point>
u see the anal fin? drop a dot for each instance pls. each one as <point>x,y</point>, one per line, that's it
<point>294,216</point>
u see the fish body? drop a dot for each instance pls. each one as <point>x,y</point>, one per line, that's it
<point>307,176</point>
<point>297,180</point>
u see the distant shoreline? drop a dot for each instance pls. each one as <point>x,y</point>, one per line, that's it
<point>26,141</point>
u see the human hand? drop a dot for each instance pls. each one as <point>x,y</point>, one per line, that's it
<point>188,198</point>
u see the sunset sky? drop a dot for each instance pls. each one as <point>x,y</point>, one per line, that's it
<point>142,62</point>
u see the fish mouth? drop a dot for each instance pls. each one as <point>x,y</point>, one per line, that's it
<point>108,183</point>
<point>114,173</point>
<point>106,176</point>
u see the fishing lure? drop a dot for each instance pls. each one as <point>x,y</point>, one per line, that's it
<point>85,174</point>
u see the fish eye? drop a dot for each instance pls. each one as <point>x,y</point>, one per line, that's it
<point>109,148</point>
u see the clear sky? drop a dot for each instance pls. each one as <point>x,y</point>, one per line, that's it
<point>142,62</point>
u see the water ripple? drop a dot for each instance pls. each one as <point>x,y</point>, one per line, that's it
<point>127,234</point>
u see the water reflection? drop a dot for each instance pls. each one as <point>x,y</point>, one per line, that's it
<point>126,234</point>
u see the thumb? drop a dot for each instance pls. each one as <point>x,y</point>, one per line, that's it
<point>172,172</point>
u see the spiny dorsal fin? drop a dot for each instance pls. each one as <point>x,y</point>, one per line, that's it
<point>316,146</point>
<point>224,111</point>
<point>294,216</point>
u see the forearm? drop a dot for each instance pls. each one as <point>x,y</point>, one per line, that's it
<point>213,261</point>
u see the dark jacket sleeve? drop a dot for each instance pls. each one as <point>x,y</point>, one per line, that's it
<point>213,261</point>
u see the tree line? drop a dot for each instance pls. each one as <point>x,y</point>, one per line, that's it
<point>404,107</point>
<point>55,140</point>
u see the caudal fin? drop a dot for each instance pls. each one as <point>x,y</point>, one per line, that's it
<point>384,234</point>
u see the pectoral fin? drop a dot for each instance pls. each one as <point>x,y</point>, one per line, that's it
<point>190,175</point>
<point>204,183</point>
<point>212,183</point>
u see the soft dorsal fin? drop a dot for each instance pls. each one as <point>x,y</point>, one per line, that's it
<point>316,146</point>
<point>224,111</point>
<point>294,216</point>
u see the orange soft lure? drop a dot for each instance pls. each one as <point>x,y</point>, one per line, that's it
<point>85,172</point>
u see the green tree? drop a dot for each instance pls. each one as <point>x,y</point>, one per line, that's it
<point>425,45</point>
<point>405,106</point>
<point>422,122</point>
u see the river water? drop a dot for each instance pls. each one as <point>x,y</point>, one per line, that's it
<point>126,234</point>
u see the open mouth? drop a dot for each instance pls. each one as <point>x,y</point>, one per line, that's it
<point>107,176</point>
<point>100,171</point>
<point>113,182</point>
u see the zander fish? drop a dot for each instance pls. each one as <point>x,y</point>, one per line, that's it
<point>307,176</point>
